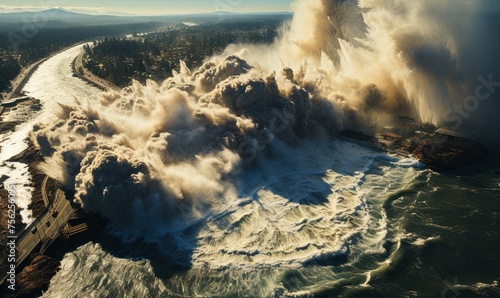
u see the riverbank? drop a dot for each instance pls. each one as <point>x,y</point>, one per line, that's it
<point>439,149</point>
<point>83,73</point>
<point>23,77</point>
<point>39,253</point>
<point>35,273</point>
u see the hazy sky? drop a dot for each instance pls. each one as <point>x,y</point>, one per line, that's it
<point>150,7</point>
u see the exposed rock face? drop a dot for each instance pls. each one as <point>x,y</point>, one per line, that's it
<point>35,278</point>
<point>444,156</point>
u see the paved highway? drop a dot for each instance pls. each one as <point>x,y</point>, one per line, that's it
<point>40,231</point>
<point>46,228</point>
<point>23,77</point>
<point>80,70</point>
<point>44,232</point>
<point>28,241</point>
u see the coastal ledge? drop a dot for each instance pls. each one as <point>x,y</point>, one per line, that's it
<point>35,277</point>
<point>35,273</point>
<point>439,149</point>
<point>444,157</point>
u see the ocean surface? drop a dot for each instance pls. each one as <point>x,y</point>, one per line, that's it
<point>329,220</point>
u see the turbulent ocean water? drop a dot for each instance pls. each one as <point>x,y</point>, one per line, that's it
<point>360,225</point>
<point>226,181</point>
<point>330,219</point>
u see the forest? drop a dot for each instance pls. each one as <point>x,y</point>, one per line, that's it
<point>21,48</point>
<point>154,55</point>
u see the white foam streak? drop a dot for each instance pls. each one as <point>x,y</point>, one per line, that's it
<point>14,143</point>
<point>101,274</point>
<point>163,160</point>
<point>20,177</point>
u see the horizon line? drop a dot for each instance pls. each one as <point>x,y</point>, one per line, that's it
<point>86,11</point>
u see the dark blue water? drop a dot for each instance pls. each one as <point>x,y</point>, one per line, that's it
<point>458,213</point>
<point>438,236</point>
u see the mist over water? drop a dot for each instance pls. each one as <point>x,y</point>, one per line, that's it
<point>414,52</point>
<point>180,144</point>
<point>381,58</point>
<point>231,170</point>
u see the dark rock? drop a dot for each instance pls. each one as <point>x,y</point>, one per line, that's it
<point>443,156</point>
<point>35,277</point>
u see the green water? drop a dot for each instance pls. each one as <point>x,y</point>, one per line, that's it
<point>457,213</point>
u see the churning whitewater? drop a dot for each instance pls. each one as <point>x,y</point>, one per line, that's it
<point>230,169</point>
<point>142,155</point>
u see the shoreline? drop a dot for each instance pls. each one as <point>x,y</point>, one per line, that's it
<point>83,73</point>
<point>35,270</point>
<point>60,245</point>
<point>25,74</point>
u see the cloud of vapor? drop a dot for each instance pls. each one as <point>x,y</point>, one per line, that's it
<point>140,155</point>
<point>416,54</point>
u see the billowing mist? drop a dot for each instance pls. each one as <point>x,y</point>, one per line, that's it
<point>141,155</point>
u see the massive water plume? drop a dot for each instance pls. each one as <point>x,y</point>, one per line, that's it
<point>149,155</point>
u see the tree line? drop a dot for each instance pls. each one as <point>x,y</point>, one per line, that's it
<point>155,55</point>
<point>21,48</point>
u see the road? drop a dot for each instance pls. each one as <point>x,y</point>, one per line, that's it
<point>39,232</point>
<point>29,240</point>
<point>13,101</point>
<point>80,70</point>
<point>22,78</point>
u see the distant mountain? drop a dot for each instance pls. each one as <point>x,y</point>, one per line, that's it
<point>230,13</point>
<point>223,12</point>
<point>103,13</point>
<point>58,17</point>
<point>51,13</point>
<point>59,11</point>
<point>119,14</point>
<point>254,13</point>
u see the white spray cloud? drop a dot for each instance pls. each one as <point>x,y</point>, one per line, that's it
<point>142,154</point>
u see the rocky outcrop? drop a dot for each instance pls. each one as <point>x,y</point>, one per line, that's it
<point>35,277</point>
<point>442,156</point>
